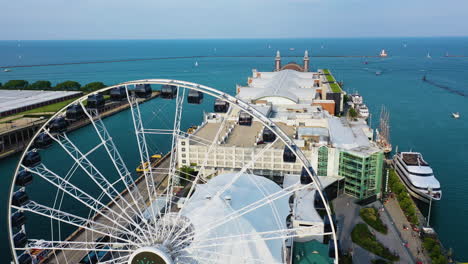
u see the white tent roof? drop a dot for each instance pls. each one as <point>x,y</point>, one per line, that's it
<point>203,212</point>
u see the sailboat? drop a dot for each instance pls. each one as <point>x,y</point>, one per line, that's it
<point>383,53</point>
<point>428,55</point>
<point>196,64</point>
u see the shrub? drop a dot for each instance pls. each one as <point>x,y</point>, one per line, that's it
<point>15,84</point>
<point>40,85</point>
<point>403,197</point>
<point>364,238</point>
<point>380,261</point>
<point>433,248</point>
<point>370,215</point>
<point>68,85</point>
<point>353,113</point>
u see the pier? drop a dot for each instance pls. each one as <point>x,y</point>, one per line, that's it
<point>17,131</point>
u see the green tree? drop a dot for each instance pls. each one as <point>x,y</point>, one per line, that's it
<point>16,84</point>
<point>186,173</point>
<point>68,85</point>
<point>353,113</point>
<point>93,86</point>
<point>40,85</point>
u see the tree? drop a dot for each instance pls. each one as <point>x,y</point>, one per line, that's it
<point>40,85</point>
<point>68,85</point>
<point>93,86</point>
<point>15,84</point>
<point>186,173</point>
<point>353,113</point>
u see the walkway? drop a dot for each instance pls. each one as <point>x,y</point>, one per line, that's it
<point>414,242</point>
<point>347,213</point>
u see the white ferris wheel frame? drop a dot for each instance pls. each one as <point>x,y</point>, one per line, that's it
<point>123,171</point>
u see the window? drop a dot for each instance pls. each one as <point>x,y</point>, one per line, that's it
<point>183,149</point>
<point>184,161</point>
<point>183,155</point>
<point>183,143</point>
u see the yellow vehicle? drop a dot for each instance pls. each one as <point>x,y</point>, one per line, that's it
<point>145,166</point>
<point>191,129</point>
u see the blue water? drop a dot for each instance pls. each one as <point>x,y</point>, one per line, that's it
<point>420,112</point>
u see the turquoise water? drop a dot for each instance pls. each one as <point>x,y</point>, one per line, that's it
<point>420,112</point>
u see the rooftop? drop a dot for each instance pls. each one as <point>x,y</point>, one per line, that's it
<point>13,99</point>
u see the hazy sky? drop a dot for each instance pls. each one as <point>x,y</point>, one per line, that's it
<point>143,19</point>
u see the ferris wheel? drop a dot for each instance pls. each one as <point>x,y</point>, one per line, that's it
<point>165,172</point>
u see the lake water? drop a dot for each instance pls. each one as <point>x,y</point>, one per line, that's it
<point>420,113</point>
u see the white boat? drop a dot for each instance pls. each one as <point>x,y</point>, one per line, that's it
<point>417,176</point>
<point>363,111</point>
<point>383,53</point>
<point>196,64</point>
<point>292,49</point>
<point>356,99</point>
<point>378,72</point>
<point>7,70</point>
<point>456,115</point>
<point>428,55</point>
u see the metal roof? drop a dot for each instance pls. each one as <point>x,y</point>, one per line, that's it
<point>13,99</point>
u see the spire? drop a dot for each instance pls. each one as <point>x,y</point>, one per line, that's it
<point>306,61</point>
<point>278,61</point>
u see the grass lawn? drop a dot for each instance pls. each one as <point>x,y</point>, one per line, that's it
<point>48,108</point>
<point>370,215</point>
<point>364,238</point>
<point>335,88</point>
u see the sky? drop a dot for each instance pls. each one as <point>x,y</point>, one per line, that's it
<point>187,19</point>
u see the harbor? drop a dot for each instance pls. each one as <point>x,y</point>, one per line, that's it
<point>372,109</point>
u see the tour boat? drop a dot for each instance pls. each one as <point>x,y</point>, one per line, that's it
<point>417,176</point>
<point>363,111</point>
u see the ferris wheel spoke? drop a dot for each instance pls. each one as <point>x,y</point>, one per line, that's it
<point>98,178</point>
<point>143,152</point>
<point>114,155</point>
<point>257,236</point>
<point>34,244</point>
<point>224,256</point>
<point>79,195</point>
<point>74,220</point>
<point>172,179</point>
<point>118,260</point>
<point>247,209</point>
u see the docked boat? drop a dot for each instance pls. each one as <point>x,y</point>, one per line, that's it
<point>363,111</point>
<point>456,115</point>
<point>417,175</point>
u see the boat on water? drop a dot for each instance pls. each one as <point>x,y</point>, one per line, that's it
<point>417,176</point>
<point>383,53</point>
<point>363,111</point>
<point>428,55</point>
<point>292,49</point>
<point>196,64</point>
<point>7,70</point>
<point>378,72</point>
<point>456,115</point>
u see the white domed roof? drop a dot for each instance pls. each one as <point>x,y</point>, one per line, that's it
<point>205,211</point>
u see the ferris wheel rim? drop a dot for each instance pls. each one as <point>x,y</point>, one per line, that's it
<point>193,86</point>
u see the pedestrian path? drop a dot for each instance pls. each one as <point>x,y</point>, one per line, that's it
<point>411,237</point>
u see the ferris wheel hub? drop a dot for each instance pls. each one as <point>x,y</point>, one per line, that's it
<point>150,255</point>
